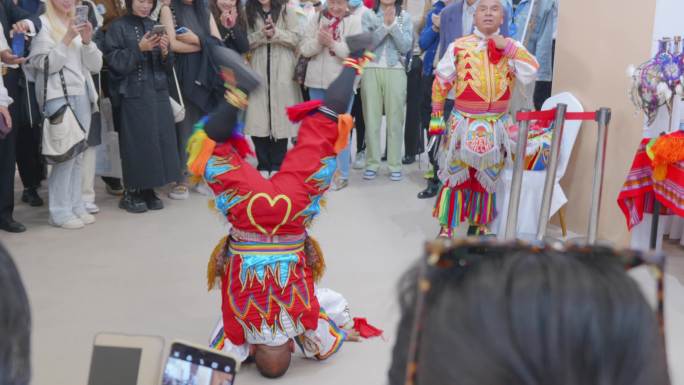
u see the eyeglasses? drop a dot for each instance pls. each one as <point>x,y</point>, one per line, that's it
<point>456,257</point>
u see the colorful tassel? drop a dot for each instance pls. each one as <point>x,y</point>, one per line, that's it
<point>437,125</point>
<point>200,148</point>
<point>299,111</point>
<point>314,258</point>
<point>359,63</point>
<point>345,123</point>
<point>239,142</point>
<point>216,264</point>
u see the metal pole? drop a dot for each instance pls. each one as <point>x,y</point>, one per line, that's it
<point>603,118</point>
<point>516,182</point>
<point>550,181</point>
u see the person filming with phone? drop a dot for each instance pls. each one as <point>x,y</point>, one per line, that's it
<point>62,59</point>
<point>139,58</point>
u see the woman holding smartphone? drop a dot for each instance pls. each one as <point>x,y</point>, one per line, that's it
<point>140,59</point>
<point>230,18</point>
<point>191,29</point>
<point>273,32</point>
<point>72,58</point>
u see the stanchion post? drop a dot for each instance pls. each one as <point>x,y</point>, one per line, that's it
<point>516,183</point>
<point>603,118</point>
<point>550,181</point>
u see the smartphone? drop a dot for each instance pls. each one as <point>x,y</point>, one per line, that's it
<point>81,15</point>
<point>18,44</point>
<point>191,364</point>
<point>159,29</point>
<point>126,360</point>
<point>182,30</point>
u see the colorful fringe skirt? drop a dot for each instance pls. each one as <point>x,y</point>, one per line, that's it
<point>467,201</point>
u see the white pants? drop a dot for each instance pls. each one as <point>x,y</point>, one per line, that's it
<point>88,175</point>
<point>65,180</point>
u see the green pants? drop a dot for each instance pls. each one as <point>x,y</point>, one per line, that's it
<point>384,90</point>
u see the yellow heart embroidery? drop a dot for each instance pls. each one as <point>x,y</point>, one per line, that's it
<point>272,202</point>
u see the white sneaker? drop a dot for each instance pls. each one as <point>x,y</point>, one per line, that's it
<point>91,208</point>
<point>71,224</point>
<point>360,160</point>
<point>87,219</point>
<point>265,174</point>
<point>179,192</point>
<point>203,189</point>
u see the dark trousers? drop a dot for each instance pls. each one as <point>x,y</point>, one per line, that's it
<point>426,108</point>
<point>414,98</point>
<point>359,123</point>
<point>26,120</point>
<point>542,91</point>
<point>7,169</point>
<point>448,106</point>
<point>270,153</point>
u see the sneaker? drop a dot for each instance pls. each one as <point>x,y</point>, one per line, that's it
<point>71,224</point>
<point>203,189</point>
<point>151,199</point>
<point>179,192</point>
<point>360,161</point>
<point>113,186</point>
<point>369,175</point>
<point>265,174</point>
<point>339,183</point>
<point>87,219</point>
<point>91,208</point>
<point>133,203</point>
<point>396,176</point>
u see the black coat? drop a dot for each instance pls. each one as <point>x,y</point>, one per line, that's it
<point>148,141</point>
<point>11,13</point>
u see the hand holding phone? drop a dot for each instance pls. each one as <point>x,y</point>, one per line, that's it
<point>81,15</point>
<point>18,44</point>
<point>159,29</point>
<point>188,364</point>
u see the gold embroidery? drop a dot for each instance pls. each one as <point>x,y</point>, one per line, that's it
<point>272,202</point>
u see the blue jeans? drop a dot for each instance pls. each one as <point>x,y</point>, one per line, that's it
<point>344,157</point>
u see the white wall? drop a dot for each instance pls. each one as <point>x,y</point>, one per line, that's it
<point>668,20</point>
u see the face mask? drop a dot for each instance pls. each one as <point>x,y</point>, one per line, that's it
<point>355,3</point>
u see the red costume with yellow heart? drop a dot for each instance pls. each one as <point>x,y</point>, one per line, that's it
<point>268,264</point>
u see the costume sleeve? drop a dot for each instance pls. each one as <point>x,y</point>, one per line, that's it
<point>525,65</point>
<point>445,76</point>
<point>323,342</point>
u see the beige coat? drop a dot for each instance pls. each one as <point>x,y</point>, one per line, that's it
<point>261,120</point>
<point>323,67</point>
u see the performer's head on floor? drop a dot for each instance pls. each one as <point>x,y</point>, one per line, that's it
<point>489,16</point>
<point>15,325</point>
<point>273,361</point>
<point>517,315</point>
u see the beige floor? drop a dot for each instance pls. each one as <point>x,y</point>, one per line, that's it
<point>144,274</point>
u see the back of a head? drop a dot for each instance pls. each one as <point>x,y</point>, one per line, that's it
<point>15,325</point>
<point>272,361</point>
<point>525,318</point>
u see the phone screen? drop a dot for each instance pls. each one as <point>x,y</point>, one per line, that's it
<point>18,44</point>
<point>81,14</point>
<point>158,30</point>
<point>190,365</point>
<point>112,365</point>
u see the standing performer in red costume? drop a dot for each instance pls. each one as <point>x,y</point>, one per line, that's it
<point>268,264</point>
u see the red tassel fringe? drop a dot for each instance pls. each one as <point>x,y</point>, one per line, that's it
<point>494,53</point>
<point>298,112</point>
<point>241,145</point>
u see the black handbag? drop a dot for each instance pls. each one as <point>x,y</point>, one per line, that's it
<point>95,133</point>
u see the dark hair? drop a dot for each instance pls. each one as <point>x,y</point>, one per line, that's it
<point>15,325</point>
<point>253,10</point>
<point>216,13</point>
<point>397,6</point>
<point>129,6</point>
<point>524,317</point>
